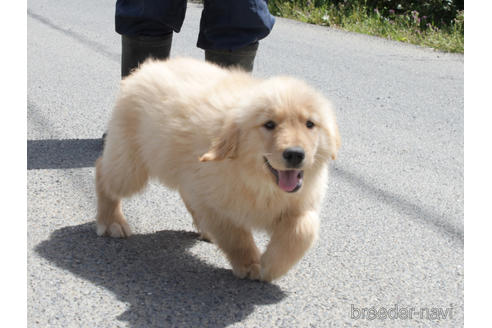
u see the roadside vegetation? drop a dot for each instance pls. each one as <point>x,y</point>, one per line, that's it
<point>438,24</point>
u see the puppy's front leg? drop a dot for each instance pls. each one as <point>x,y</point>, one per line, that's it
<point>237,244</point>
<point>291,238</point>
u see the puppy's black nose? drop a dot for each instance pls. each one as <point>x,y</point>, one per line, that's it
<point>293,156</point>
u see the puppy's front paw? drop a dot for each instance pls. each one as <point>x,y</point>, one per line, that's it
<point>251,271</point>
<point>254,272</point>
<point>270,272</point>
<point>265,275</point>
<point>115,230</point>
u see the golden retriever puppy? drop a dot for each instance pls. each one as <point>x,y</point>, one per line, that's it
<point>243,153</point>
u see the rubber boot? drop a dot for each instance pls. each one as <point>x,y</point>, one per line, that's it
<point>242,58</point>
<point>135,50</point>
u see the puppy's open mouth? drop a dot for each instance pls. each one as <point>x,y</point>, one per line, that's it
<point>287,180</point>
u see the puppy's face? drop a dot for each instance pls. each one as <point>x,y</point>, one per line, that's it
<point>282,130</point>
<point>288,138</point>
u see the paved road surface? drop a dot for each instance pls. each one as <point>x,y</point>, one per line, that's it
<point>392,222</point>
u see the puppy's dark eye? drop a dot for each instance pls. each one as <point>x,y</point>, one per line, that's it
<point>270,125</point>
<point>310,124</point>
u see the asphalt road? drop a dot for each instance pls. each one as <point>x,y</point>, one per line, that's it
<point>392,222</point>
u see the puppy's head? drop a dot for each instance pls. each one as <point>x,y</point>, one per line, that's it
<point>282,129</point>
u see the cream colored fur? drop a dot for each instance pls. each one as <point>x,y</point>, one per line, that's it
<point>199,129</point>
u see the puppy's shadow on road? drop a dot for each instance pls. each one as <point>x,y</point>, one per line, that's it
<point>161,281</point>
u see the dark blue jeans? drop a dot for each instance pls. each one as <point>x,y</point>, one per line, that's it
<point>224,25</point>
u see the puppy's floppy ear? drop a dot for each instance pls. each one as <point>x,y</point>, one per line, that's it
<point>225,145</point>
<point>333,136</point>
<point>335,140</point>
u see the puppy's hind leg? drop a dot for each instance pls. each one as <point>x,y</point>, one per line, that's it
<point>111,185</point>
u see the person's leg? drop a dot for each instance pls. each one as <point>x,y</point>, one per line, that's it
<point>230,31</point>
<point>146,29</point>
<point>136,49</point>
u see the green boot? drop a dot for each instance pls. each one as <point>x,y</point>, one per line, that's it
<point>243,58</point>
<point>135,50</point>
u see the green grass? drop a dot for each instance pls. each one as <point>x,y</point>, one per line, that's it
<point>405,28</point>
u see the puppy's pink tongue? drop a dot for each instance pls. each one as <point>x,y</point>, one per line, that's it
<point>288,180</point>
